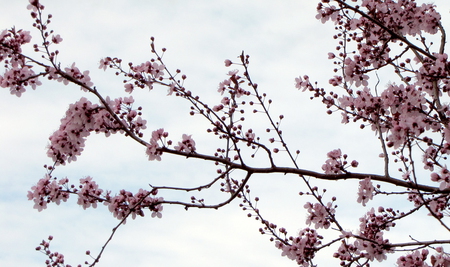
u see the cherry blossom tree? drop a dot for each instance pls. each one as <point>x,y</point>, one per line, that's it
<point>409,117</point>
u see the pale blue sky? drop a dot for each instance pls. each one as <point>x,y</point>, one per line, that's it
<point>284,41</point>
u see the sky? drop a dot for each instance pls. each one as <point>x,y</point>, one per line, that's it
<point>283,40</point>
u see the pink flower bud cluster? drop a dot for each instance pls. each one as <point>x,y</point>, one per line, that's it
<point>232,85</point>
<point>82,118</point>
<point>433,70</point>
<point>438,206</point>
<point>402,112</point>
<point>319,214</point>
<point>128,203</point>
<point>369,242</point>
<point>302,83</point>
<point>152,148</point>
<point>418,258</point>
<point>405,16</point>
<point>35,6</point>
<point>186,145</point>
<point>144,75</point>
<point>365,191</point>
<point>89,194</point>
<point>302,248</point>
<point>371,228</point>
<point>77,75</point>
<point>18,73</point>
<point>337,163</point>
<point>443,178</point>
<point>406,102</point>
<point>140,76</point>
<point>55,259</point>
<point>154,151</point>
<point>48,190</point>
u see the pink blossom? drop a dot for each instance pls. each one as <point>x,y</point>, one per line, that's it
<point>16,79</point>
<point>34,5</point>
<point>415,258</point>
<point>223,86</point>
<point>217,108</point>
<point>187,144</point>
<point>105,63</point>
<point>157,135</point>
<point>76,74</point>
<point>441,259</point>
<point>371,228</point>
<point>365,191</point>
<point>156,210</point>
<point>443,178</point>
<point>82,118</point>
<point>171,89</point>
<point>48,190</point>
<point>233,72</point>
<point>335,154</point>
<point>333,165</point>
<point>250,136</point>
<point>126,203</point>
<point>153,152</point>
<point>319,214</point>
<point>89,193</point>
<point>56,39</point>
<point>302,84</point>
<point>303,248</point>
<point>326,13</point>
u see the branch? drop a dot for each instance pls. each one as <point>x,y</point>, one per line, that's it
<point>286,170</point>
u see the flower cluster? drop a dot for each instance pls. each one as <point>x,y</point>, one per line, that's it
<point>418,258</point>
<point>401,115</point>
<point>83,117</point>
<point>232,85</point>
<point>89,194</point>
<point>144,75</point>
<point>48,190</point>
<point>399,110</point>
<point>405,16</point>
<point>128,203</point>
<point>18,73</point>
<point>333,165</point>
<point>319,214</point>
<point>55,259</point>
<point>369,242</point>
<point>438,205</point>
<point>152,148</point>
<point>337,162</point>
<point>443,178</point>
<point>371,228</point>
<point>303,248</point>
<point>365,191</point>
<point>187,144</point>
<point>76,75</point>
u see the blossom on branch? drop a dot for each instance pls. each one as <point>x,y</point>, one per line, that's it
<point>187,144</point>
<point>365,191</point>
<point>48,190</point>
<point>303,247</point>
<point>319,214</point>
